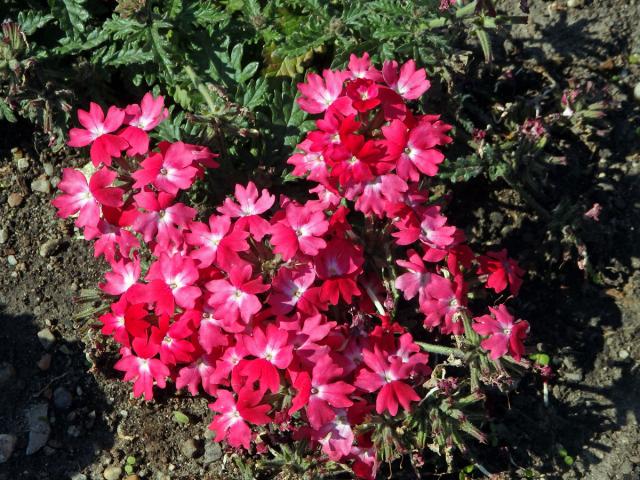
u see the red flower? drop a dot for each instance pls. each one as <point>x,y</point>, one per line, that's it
<point>501,271</point>
<point>338,265</point>
<point>98,132</point>
<point>504,332</point>
<point>86,198</point>
<point>142,368</point>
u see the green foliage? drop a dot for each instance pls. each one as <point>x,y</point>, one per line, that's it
<point>230,68</point>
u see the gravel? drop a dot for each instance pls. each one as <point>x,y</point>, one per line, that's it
<point>46,338</point>
<point>7,445</point>
<point>112,473</point>
<point>62,399</point>
<point>39,428</point>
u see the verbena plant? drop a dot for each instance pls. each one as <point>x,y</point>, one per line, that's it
<point>334,330</point>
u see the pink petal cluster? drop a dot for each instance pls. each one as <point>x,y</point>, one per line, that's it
<point>279,310</point>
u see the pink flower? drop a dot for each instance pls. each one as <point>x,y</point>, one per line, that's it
<point>272,350</point>
<point>86,198</point>
<point>236,297</point>
<point>501,271</point>
<point>173,339</point>
<point>113,322</point>
<point>162,217</point>
<point>416,279</point>
<point>97,132</point>
<point>432,232</point>
<point>363,94</point>
<point>142,368</point>
<point>375,195</point>
<point>504,332</point>
<point>410,84</point>
<point>123,275</point>
<point>249,208</point>
<point>323,392</point>
<point>210,334</point>
<point>336,437</point>
<point>148,114</point>
<point>594,212</point>
<point>231,422</point>
<point>442,306</point>
<point>290,289</point>
<point>169,172</point>
<point>362,68</point>
<point>320,93</point>
<point>179,274</point>
<point>386,376</point>
<point>338,265</point>
<point>414,149</point>
<point>301,229</point>
<point>216,243</point>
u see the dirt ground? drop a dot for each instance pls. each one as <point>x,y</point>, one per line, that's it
<point>55,370</point>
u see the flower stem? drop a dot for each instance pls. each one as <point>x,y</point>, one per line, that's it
<point>441,349</point>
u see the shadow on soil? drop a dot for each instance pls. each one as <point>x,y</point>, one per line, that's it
<point>55,380</point>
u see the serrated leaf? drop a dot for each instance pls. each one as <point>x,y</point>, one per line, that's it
<point>71,15</point>
<point>32,20</point>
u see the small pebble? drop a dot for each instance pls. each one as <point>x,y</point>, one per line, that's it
<point>575,3</point>
<point>41,184</point>
<point>48,169</point>
<point>7,372</point>
<point>636,91</point>
<point>212,452</point>
<point>14,199</point>
<point>623,354</point>
<point>23,164</point>
<point>190,448</point>
<point>48,247</point>
<point>78,476</point>
<point>132,477</point>
<point>11,260</point>
<point>55,180</point>
<point>62,399</point>
<point>112,473</point>
<point>45,362</point>
<point>4,235</point>
<point>46,338</point>
<point>7,445</point>
<point>39,428</point>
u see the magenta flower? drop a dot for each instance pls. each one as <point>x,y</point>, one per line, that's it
<point>86,198</point>
<point>320,93</point>
<point>414,149</point>
<point>173,339</point>
<point>322,393</point>
<point>98,132</point>
<point>376,195</point>
<point>162,219</point>
<point>216,243</point>
<point>142,368</point>
<point>505,334</point>
<point>410,83</point>
<point>236,297</point>
<point>442,306</point>
<point>231,422</point>
<point>180,275</point>
<point>169,172</point>
<point>249,208</point>
<point>336,437</point>
<point>386,376</point>
<point>416,279</point>
<point>360,67</point>
<point>199,372</point>
<point>290,289</point>
<point>141,119</point>
<point>301,230</point>
<point>123,275</point>
<point>210,334</point>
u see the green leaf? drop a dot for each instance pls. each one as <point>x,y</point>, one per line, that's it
<point>6,113</point>
<point>540,358</point>
<point>32,20</point>
<point>71,15</point>
<point>180,417</point>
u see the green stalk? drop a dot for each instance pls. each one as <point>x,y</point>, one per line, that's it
<point>441,349</point>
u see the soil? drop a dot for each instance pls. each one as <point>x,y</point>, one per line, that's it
<point>588,328</point>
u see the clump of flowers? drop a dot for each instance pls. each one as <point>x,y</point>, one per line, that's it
<point>330,321</point>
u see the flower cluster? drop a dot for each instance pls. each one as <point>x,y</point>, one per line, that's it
<point>284,311</point>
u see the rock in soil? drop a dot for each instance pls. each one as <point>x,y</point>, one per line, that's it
<point>4,235</point>
<point>7,445</point>
<point>46,338</point>
<point>14,199</point>
<point>7,372</point>
<point>39,428</point>
<point>62,398</point>
<point>212,452</point>
<point>48,247</point>
<point>45,362</point>
<point>41,184</point>
<point>112,473</point>
<point>190,448</point>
